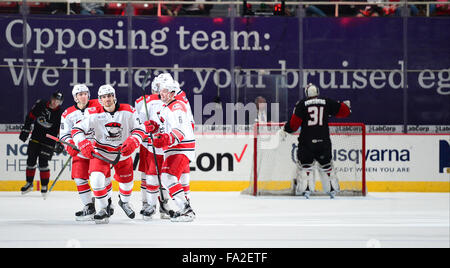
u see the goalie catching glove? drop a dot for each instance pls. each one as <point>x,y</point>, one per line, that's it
<point>163,140</point>
<point>129,145</point>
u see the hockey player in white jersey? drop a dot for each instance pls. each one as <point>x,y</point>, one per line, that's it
<point>82,109</point>
<point>149,182</point>
<point>116,130</point>
<point>177,139</point>
<point>180,95</point>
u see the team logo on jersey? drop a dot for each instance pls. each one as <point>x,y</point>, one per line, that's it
<point>114,129</point>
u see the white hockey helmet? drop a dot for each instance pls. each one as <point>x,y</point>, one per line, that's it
<point>78,89</point>
<point>104,90</point>
<point>165,77</point>
<point>169,85</point>
<point>155,85</point>
<point>311,91</point>
<point>177,87</point>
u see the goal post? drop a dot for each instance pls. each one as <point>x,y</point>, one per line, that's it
<point>274,165</point>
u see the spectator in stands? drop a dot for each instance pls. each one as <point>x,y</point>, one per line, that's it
<point>92,9</point>
<point>261,107</point>
<point>440,9</point>
<point>320,10</point>
<point>372,10</point>
<point>196,9</point>
<point>61,8</point>
<point>171,10</point>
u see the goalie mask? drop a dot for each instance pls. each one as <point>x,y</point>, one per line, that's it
<point>79,89</point>
<point>105,90</point>
<point>311,91</point>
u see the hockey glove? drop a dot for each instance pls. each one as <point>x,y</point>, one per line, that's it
<point>163,140</point>
<point>151,126</point>
<point>59,148</point>
<point>72,152</point>
<point>24,134</point>
<point>129,145</point>
<point>86,148</point>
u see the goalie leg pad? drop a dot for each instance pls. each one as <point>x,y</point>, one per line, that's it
<point>305,178</point>
<point>330,180</point>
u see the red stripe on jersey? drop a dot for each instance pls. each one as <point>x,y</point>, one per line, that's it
<point>126,107</point>
<point>178,134</point>
<point>295,122</point>
<point>344,111</point>
<point>177,105</point>
<point>106,147</point>
<point>187,145</point>
<point>32,116</point>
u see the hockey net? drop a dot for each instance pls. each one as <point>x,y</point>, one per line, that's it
<point>274,166</point>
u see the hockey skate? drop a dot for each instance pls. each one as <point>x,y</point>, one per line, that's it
<point>110,207</point>
<point>144,206</point>
<point>44,191</point>
<point>164,211</point>
<point>27,188</point>
<point>127,208</point>
<point>332,193</point>
<point>149,212</point>
<point>101,217</point>
<point>87,214</point>
<point>184,215</point>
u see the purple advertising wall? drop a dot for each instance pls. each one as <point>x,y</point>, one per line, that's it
<point>360,59</point>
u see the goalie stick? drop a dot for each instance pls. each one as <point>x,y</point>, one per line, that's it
<point>147,75</point>
<point>95,155</point>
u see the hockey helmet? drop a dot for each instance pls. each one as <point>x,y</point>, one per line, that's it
<point>105,90</point>
<point>57,95</point>
<point>155,85</point>
<point>311,91</point>
<point>78,89</point>
<point>165,77</point>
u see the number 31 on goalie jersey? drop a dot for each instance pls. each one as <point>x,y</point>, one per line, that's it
<point>316,115</point>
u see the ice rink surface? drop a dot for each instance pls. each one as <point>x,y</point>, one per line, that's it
<point>232,220</point>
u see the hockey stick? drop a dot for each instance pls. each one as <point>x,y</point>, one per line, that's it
<point>59,174</point>
<point>95,155</point>
<point>147,75</point>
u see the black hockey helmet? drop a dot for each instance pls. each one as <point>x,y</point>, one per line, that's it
<point>57,95</point>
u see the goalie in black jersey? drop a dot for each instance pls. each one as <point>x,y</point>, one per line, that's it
<point>314,143</point>
<point>46,118</point>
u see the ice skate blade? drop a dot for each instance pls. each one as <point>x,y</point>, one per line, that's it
<point>84,218</point>
<point>102,221</point>
<point>27,191</point>
<point>164,216</point>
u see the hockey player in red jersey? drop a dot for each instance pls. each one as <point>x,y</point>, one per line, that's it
<point>116,130</point>
<point>177,139</point>
<point>312,115</point>
<point>82,109</point>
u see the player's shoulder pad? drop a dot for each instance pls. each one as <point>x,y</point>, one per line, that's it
<point>68,111</point>
<point>139,99</point>
<point>153,97</point>
<point>126,107</point>
<point>94,103</point>
<point>177,105</point>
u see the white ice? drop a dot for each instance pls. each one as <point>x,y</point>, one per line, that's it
<point>229,219</point>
